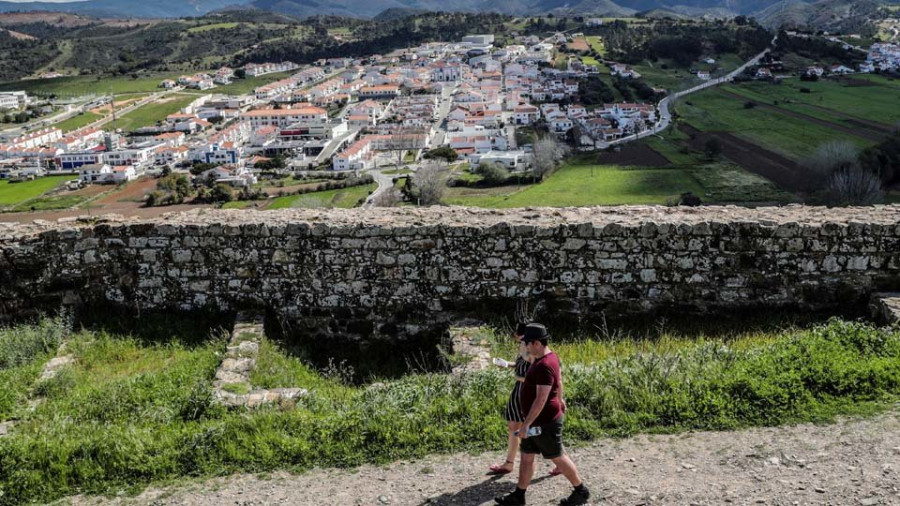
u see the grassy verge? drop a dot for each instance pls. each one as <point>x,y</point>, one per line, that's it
<point>15,193</point>
<point>344,198</point>
<point>131,412</point>
<point>47,203</point>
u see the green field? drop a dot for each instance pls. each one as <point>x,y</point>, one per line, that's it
<point>581,183</point>
<point>149,114</point>
<point>214,26</point>
<point>12,194</point>
<point>344,198</point>
<point>590,60</point>
<point>136,408</point>
<point>86,85</point>
<point>48,203</point>
<point>78,121</point>
<point>864,102</point>
<point>590,185</point>
<point>791,137</point>
<point>597,44</point>
<point>244,86</point>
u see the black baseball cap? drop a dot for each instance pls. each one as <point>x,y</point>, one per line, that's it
<point>535,332</point>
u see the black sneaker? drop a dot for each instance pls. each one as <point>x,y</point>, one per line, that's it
<point>576,498</point>
<point>511,499</point>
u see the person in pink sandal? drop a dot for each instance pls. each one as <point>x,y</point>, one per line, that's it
<point>513,412</point>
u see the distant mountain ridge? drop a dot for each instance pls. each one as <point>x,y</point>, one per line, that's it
<point>787,9</point>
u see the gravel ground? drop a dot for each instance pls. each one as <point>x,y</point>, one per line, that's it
<point>851,462</point>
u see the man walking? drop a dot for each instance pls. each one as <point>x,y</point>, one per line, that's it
<point>543,405</point>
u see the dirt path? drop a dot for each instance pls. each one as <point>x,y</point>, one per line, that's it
<point>863,132</point>
<point>852,462</point>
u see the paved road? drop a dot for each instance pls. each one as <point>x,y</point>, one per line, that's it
<point>385,183</point>
<point>665,115</point>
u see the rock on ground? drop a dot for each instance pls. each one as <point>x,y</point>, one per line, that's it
<point>850,462</point>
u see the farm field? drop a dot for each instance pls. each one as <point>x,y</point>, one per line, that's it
<point>149,114</point>
<point>86,85</point>
<point>77,121</point>
<point>843,96</point>
<point>12,194</point>
<point>788,136</point>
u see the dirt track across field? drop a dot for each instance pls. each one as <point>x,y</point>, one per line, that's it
<point>852,462</point>
<point>783,171</point>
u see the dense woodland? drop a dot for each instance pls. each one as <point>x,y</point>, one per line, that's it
<point>683,42</point>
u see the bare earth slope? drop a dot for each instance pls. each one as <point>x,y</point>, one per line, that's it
<point>851,462</point>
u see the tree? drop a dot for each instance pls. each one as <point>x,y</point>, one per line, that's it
<point>240,74</point>
<point>713,148</point>
<point>492,172</point>
<point>855,186</point>
<point>548,154</point>
<point>403,140</point>
<point>445,152</point>
<point>846,182</point>
<point>389,198</point>
<point>430,183</point>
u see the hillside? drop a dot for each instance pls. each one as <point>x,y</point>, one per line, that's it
<point>775,10</point>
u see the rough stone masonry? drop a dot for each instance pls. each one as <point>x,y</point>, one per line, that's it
<point>394,271</point>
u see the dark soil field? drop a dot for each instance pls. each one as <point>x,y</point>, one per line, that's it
<point>639,155</point>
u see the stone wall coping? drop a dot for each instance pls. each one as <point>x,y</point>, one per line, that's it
<point>453,216</point>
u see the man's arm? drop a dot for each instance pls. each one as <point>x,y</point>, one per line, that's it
<point>543,393</point>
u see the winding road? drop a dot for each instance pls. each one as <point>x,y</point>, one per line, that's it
<point>665,115</point>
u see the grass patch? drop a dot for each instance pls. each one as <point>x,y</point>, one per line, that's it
<point>149,114</point>
<point>15,193</point>
<point>131,412</point>
<point>78,121</point>
<point>214,26</point>
<point>590,60</point>
<point>726,182</point>
<point>47,203</point>
<point>344,198</point>
<point>246,85</point>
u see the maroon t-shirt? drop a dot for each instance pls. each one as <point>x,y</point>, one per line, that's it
<point>543,371</point>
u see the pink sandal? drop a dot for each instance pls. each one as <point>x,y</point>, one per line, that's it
<point>496,470</point>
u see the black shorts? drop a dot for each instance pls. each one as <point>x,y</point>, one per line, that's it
<point>549,443</point>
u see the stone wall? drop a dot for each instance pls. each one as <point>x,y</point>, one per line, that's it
<point>364,272</point>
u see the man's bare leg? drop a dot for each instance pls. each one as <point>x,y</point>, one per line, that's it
<point>526,469</point>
